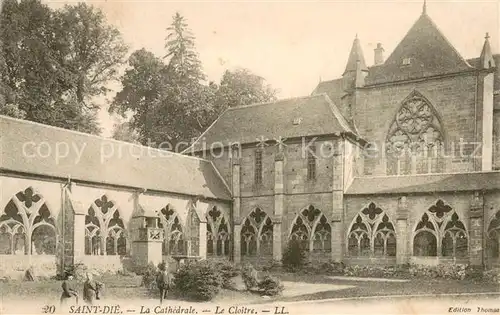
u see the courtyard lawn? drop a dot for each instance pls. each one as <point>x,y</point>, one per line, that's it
<point>380,288</point>
<point>298,287</point>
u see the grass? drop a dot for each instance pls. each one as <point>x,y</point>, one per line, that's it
<point>128,287</point>
<point>372,288</point>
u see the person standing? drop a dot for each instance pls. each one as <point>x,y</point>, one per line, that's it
<point>89,289</point>
<point>163,281</point>
<point>68,290</point>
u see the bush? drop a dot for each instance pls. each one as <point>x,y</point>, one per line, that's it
<point>149,277</point>
<point>294,257</point>
<point>200,281</point>
<point>228,271</point>
<point>492,276</point>
<point>448,271</point>
<point>271,286</point>
<point>400,271</point>
<point>249,275</point>
<point>331,268</point>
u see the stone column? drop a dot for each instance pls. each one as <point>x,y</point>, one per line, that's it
<point>337,210</point>
<point>337,236</point>
<point>79,236</point>
<point>203,239</point>
<point>476,228</point>
<point>402,233</point>
<point>235,160</point>
<point>279,187</point>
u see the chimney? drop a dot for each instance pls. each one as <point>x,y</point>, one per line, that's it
<point>379,54</point>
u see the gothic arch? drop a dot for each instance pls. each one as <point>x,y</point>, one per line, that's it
<point>257,234</point>
<point>173,228</point>
<point>27,225</point>
<point>311,228</point>
<point>371,233</point>
<point>105,232</point>
<point>416,130</point>
<point>440,232</point>
<point>218,232</point>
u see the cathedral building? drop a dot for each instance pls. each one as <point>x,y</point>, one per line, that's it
<point>390,164</point>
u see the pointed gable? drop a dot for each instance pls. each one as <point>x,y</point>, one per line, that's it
<point>356,55</point>
<point>424,51</point>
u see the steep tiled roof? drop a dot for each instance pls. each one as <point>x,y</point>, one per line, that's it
<point>316,114</point>
<point>103,161</point>
<point>429,51</point>
<point>333,88</point>
<point>424,183</point>
<point>356,55</point>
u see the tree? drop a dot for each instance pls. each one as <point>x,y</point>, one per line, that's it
<point>124,132</point>
<point>142,94</point>
<point>58,61</point>
<point>169,100</point>
<point>242,87</point>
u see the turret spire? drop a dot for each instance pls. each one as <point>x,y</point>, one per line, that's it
<point>486,58</point>
<point>356,55</point>
<point>424,8</point>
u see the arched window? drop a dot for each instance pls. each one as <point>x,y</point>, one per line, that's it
<point>218,233</point>
<point>105,232</point>
<point>248,239</point>
<point>27,225</point>
<point>415,138</point>
<point>440,232</point>
<point>493,237</point>
<point>312,230</point>
<point>257,234</point>
<point>371,233</point>
<point>171,225</point>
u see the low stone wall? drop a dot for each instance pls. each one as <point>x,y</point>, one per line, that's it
<point>102,264</point>
<point>434,261</point>
<point>15,266</point>
<point>370,261</point>
<point>257,261</point>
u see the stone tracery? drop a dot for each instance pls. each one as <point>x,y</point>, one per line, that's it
<point>312,230</point>
<point>218,233</point>
<point>257,234</point>
<point>28,225</point>
<point>105,232</point>
<point>440,232</point>
<point>416,131</point>
<point>371,233</point>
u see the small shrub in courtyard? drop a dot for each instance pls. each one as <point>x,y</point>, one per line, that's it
<point>249,275</point>
<point>200,281</point>
<point>228,271</point>
<point>271,286</point>
<point>149,277</point>
<point>294,257</point>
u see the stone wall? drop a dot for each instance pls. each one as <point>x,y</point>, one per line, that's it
<point>453,98</point>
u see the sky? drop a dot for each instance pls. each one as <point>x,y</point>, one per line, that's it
<point>293,44</point>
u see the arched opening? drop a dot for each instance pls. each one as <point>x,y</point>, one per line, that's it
<point>257,234</point>
<point>29,229</point>
<point>371,226</point>
<point>218,233</point>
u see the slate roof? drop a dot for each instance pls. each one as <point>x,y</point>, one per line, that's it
<point>245,124</point>
<point>104,161</point>
<point>430,52</point>
<point>424,183</point>
<point>355,55</point>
